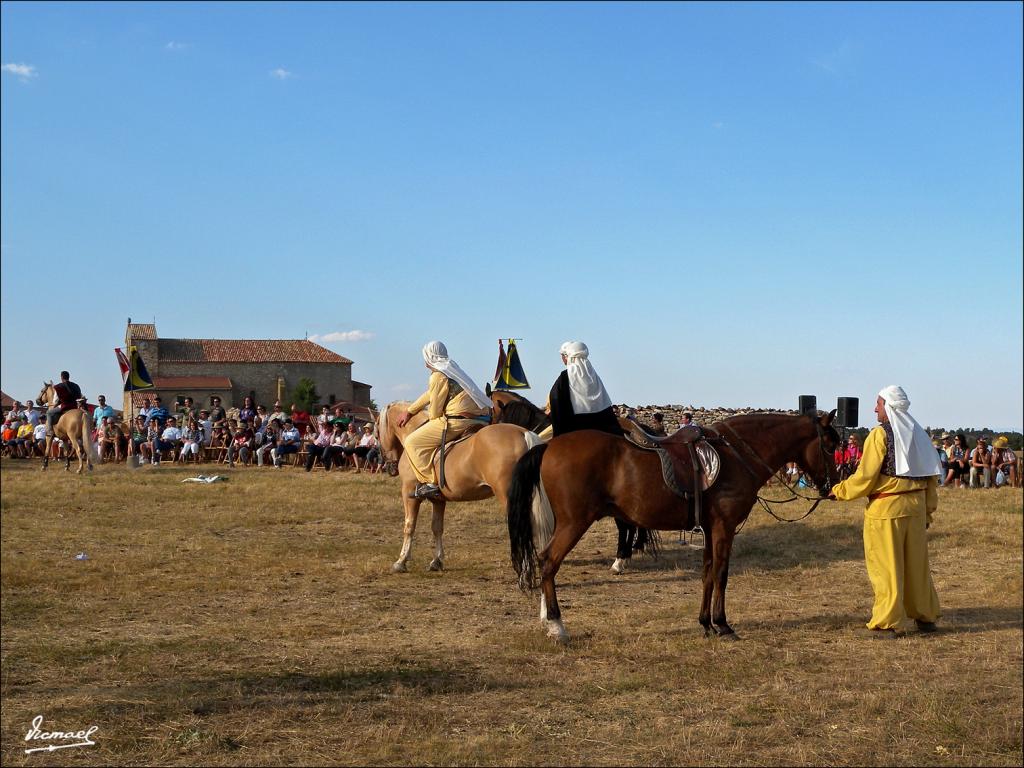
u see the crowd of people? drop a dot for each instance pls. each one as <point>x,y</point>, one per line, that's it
<point>334,438</point>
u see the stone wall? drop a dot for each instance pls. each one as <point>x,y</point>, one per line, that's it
<point>674,413</point>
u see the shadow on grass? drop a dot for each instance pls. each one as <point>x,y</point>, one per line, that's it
<point>255,691</point>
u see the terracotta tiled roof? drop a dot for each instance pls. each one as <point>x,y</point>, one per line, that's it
<point>142,330</point>
<point>246,351</point>
<point>6,400</point>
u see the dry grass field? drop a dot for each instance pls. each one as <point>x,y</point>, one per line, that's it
<point>257,622</point>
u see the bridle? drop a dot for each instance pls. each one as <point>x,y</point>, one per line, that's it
<point>823,489</point>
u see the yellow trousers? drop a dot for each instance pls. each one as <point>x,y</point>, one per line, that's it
<point>896,555</point>
<point>422,444</point>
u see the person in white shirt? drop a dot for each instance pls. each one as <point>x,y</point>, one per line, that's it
<point>169,439</point>
<point>288,442</point>
<point>39,438</point>
<point>31,414</point>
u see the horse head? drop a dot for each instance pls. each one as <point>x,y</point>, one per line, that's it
<point>818,456</point>
<point>45,396</point>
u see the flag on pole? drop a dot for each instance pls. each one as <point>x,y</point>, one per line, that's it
<point>510,373</point>
<point>122,361</point>
<point>138,376</point>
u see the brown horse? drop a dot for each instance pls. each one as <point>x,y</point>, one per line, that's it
<point>476,468</point>
<point>509,407</point>
<point>559,489</point>
<point>74,428</point>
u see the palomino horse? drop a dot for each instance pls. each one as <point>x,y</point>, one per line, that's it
<point>74,428</point>
<point>559,489</point>
<point>512,408</point>
<point>475,468</point>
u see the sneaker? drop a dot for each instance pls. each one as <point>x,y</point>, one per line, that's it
<point>425,490</point>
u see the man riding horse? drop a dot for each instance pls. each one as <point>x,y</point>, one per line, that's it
<point>68,396</point>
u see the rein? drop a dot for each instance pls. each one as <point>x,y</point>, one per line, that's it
<point>794,495</point>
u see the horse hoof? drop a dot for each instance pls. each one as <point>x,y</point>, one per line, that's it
<point>728,637</point>
<point>435,565</point>
<point>557,633</point>
<point>619,566</point>
<point>399,567</point>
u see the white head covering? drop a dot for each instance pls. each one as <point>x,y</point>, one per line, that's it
<point>585,387</point>
<point>435,354</point>
<point>915,454</point>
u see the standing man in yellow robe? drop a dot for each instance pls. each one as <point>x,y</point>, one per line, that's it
<point>898,474</point>
<point>454,404</point>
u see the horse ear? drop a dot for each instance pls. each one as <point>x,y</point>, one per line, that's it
<point>828,418</point>
<point>487,389</point>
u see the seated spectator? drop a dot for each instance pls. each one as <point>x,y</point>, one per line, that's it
<point>289,441</point>
<point>191,441</point>
<point>170,439</point>
<point>39,439</point>
<point>157,413</point>
<point>109,438</point>
<point>341,416</point>
<point>206,425</point>
<point>334,455</point>
<point>261,420</point>
<point>23,439</point>
<point>981,465</point>
<point>958,460</point>
<point>941,444</point>
<point>151,438</point>
<point>10,434</point>
<point>241,445</point>
<point>1004,459</point>
<point>278,413</point>
<point>349,443</point>
<point>318,449</point>
<point>367,443</point>
<point>269,442</point>
<point>137,435</point>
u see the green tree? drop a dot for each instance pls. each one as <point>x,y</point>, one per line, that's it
<point>304,395</point>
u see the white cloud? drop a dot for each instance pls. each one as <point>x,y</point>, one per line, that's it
<point>402,388</point>
<point>280,73</point>
<point>342,336</point>
<point>175,46</point>
<point>24,71</point>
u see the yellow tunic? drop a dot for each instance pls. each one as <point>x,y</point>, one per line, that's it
<point>424,442</point>
<point>895,543</point>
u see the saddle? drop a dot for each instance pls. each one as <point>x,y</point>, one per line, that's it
<point>689,463</point>
<point>445,448</point>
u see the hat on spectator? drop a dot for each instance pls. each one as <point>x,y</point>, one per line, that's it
<point>946,436</point>
<point>1001,442</point>
<point>367,426</point>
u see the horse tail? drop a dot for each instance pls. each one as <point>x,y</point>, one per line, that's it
<point>531,521</point>
<point>87,444</point>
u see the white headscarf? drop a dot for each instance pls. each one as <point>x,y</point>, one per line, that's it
<point>585,387</point>
<point>915,454</point>
<point>435,354</point>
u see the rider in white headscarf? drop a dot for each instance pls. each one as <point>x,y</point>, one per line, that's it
<point>454,405</point>
<point>914,454</point>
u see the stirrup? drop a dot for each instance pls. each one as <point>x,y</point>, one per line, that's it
<point>694,533</point>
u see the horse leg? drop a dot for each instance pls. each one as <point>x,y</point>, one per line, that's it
<point>722,550</point>
<point>561,544</point>
<point>46,452</point>
<point>624,548</point>
<point>412,509</point>
<point>437,526</point>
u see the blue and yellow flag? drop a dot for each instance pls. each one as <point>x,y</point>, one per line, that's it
<point>510,374</point>
<point>138,376</point>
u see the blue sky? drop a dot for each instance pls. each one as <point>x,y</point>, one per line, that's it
<point>730,204</point>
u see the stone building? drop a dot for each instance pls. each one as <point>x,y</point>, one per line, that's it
<point>266,369</point>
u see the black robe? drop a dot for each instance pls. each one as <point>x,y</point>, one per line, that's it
<point>564,419</point>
